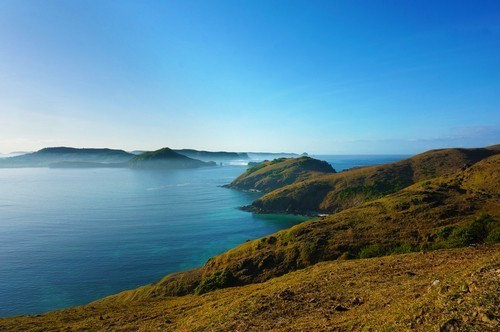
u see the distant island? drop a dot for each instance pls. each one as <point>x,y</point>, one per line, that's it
<point>212,156</point>
<point>410,245</point>
<point>68,157</point>
<point>48,156</point>
<point>165,159</point>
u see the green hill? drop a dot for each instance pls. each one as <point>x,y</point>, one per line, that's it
<point>335,192</point>
<point>165,159</point>
<point>270,175</point>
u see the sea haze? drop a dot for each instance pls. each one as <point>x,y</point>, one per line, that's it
<point>71,236</point>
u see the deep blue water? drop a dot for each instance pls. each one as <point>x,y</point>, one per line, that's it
<point>343,162</point>
<point>71,236</point>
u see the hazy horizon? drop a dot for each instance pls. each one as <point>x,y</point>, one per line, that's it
<point>322,77</point>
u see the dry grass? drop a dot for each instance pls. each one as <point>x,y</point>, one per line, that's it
<point>336,192</point>
<point>411,292</point>
<point>270,175</point>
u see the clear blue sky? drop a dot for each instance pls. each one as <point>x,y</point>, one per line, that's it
<point>316,76</point>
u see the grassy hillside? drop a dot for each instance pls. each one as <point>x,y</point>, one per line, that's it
<point>446,212</point>
<point>270,175</point>
<point>335,192</point>
<point>164,159</point>
<point>47,156</point>
<point>327,273</point>
<point>447,290</point>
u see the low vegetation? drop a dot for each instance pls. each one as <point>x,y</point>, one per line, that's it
<point>444,212</point>
<point>439,237</point>
<point>270,175</point>
<point>445,290</point>
<point>335,192</point>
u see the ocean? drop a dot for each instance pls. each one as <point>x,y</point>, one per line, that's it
<point>72,236</point>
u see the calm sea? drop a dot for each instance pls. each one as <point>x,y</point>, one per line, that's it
<point>71,236</point>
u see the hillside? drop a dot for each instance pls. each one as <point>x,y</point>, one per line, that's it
<point>335,192</point>
<point>316,275</point>
<point>270,175</point>
<point>449,211</point>
<point>47,156</point>
<point>165,159</point>
<point>446,290</point>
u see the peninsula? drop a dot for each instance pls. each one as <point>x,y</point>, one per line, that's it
<point>397,255</point>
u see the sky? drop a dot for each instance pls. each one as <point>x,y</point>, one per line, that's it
<point>323,77</point>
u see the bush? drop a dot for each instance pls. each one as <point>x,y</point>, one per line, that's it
<point>372,250</point>
<point>220,279</point>
<point>483,229</point>
<point>404,248</point>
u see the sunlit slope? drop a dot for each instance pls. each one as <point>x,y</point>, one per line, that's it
<point>448,211</point>
<point>447,290</point>
<point>270,175</point>
<point>335,192</point>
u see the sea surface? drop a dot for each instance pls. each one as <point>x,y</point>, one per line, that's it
<point>71,236</point>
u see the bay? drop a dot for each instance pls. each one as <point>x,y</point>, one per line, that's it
<point>71,236</point>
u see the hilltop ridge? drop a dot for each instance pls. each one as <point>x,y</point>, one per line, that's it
<point>269,175</point>
<point>335,192</point>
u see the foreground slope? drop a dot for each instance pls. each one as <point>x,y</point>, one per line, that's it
<point>269,175</point>
<point>336,192</point>
<point>447,290</point>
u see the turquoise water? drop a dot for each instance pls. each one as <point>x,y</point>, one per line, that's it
<point>68,237</point>
<point>71,236</point>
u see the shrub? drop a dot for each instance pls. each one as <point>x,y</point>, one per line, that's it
<point>220,279</point>
<point>372,250</point>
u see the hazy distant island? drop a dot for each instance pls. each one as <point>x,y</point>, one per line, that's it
<point>164,159</point>
<point>48,156</point>
<point>414,218</point>
<point>68,157</point>
<point>212,156</point>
